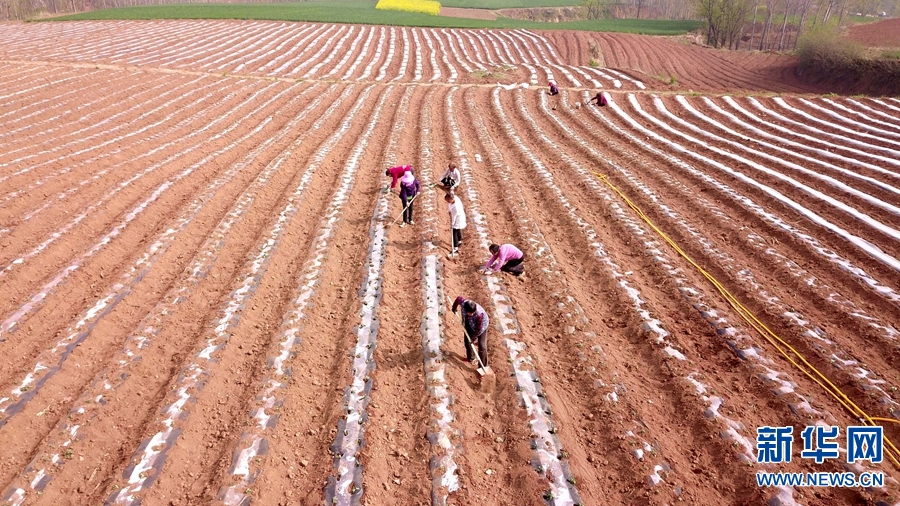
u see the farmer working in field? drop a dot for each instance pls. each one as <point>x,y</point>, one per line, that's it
<point>396,172</point>
<point>409,188</point>
<point>506,258</point>
<point>600,98</point>
<point>476,323</point>
<point>457,220</point>
<point>451,177</point>
<point>553,89</point>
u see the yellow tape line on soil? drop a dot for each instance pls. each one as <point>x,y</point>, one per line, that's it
<point>793,357</point>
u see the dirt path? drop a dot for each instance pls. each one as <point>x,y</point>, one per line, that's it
<point>457,12</point>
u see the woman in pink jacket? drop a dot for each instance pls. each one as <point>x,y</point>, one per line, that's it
<point>506,258</point>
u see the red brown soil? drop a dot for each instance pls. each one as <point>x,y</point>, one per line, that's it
<point>229,144</point>
<point>878,34</point>
<point>656,60</point>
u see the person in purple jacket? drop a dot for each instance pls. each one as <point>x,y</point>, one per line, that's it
<point>476,321</point>
<point>506,258</point>
<point>409,188</point>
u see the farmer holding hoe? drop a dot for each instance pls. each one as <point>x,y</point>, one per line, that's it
<point>475,323</point>
<point>409,188</point>
<point>457,221</point>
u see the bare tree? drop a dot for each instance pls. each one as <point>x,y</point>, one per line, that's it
<point>753,27</point>
<point>725,20</point>
<point>803,7</point>
<point>787,13</point>
<point>594,8</point>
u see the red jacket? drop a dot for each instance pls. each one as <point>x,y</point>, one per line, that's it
<point>398,171</point>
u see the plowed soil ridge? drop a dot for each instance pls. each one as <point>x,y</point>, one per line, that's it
<point>131,356</point>
<point>745,278</point>
<point>700,302</point>
<point>260,48</point>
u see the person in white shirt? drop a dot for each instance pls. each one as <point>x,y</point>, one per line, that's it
<point>457,220</point>
<point>451,177</point>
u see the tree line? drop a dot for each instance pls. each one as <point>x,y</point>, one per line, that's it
<point>762,25</point>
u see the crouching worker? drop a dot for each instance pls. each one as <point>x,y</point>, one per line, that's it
<point>476,322</point>
<point>506,258</point>
<point>451,177</point>
<point>554,90</point>
<point>601,100</point>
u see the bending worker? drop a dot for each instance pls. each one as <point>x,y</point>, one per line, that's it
<point>409,188</point>
<point>396,172</point>
<point>554,90</point>
<point>506,258</point>
<point>476,322</point>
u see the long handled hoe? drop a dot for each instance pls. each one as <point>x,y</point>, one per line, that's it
<point>485,374</point>
<point>405,208</point>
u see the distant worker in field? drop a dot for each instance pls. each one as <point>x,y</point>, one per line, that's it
<point>457,221</point>
<point>451,177</point>
<point>553,89</point>
<point>600,98</point>
<point>506,258</point>
<point>396,172</point>
<point>409,188</point>
<point>476,322</point>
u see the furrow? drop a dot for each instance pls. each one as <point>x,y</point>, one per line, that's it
<point>345,486</point>
<point>149,458</point>
<point>93,401</point>
<point>547,446</point>
<point>51,361</point>
<point>813,337</point>
<point>37,300</point>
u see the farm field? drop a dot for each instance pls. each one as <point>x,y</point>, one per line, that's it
<point>364,12</point>
<point>206,301</point>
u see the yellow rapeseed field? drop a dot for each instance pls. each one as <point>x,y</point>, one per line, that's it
<point>423,6</point>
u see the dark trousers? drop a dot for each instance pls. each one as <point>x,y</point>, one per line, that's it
<point>457,237</point>
<point>482,347</point>
<point>408,210</point>
<point>514,267</point>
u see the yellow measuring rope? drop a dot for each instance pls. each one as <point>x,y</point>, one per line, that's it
<point>779,344</point>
